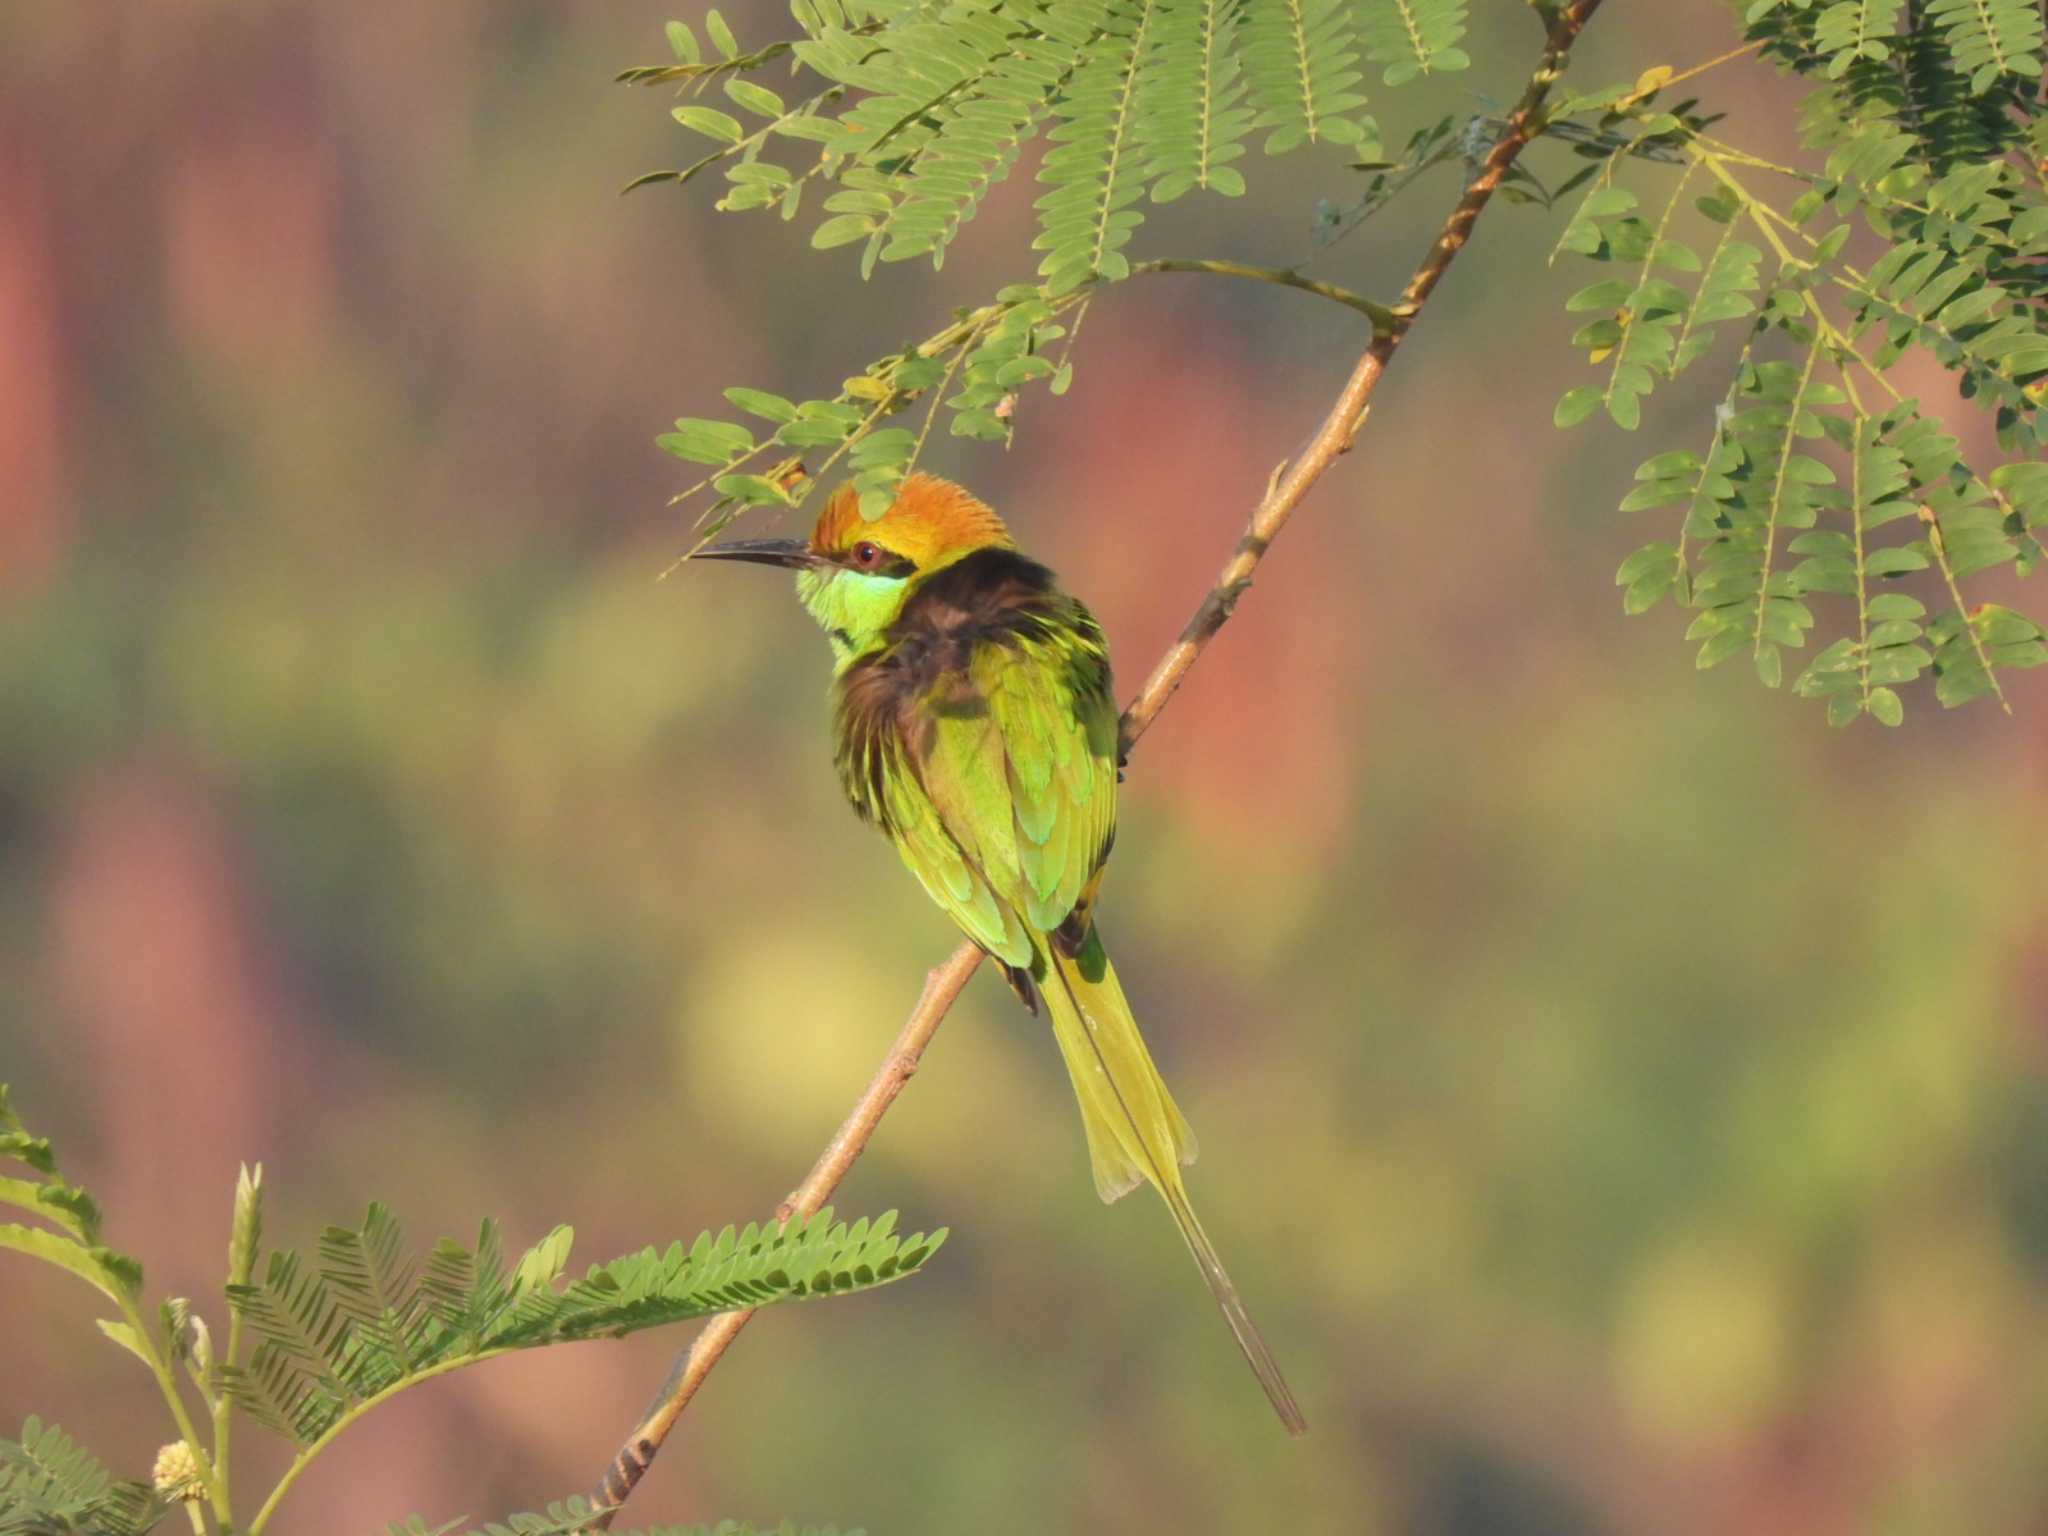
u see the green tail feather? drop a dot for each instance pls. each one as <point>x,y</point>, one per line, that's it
<point>1135,1130</point>
<point>1136,1133</point>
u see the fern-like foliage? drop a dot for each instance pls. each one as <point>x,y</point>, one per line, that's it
<point>1822,491</point>
<point>909,111</point>
<point>1415,37</point>
<point>1849,30</point>
<point>52,1486</point>
<point>1983,41</point>
<point>67,1231</point>
<point>1095,169</point>
<point>366,1319</point>
<point>1192,117</point>
<point>573,1515</point>
<point>1301,60</point>
<point>1989,38</point>
<point>362,1317</point>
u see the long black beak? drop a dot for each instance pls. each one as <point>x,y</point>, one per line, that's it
<point>794,553</point>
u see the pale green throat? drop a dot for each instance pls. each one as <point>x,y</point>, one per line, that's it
<point>854,608</point>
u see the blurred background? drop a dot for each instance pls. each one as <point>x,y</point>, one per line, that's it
<point>1621,1096</point>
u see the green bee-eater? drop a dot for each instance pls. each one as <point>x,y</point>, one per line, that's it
<point>976,727</point>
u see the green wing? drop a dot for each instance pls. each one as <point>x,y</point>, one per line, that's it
<point>1004,804</point>
<point>950,876</point>
<point>1050,706</point>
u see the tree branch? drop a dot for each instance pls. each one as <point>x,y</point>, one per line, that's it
<point>941,986</point>
<point>1290,483</point>
<point>1334,437</point>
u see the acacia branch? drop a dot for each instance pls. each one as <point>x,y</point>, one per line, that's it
<point>1340,427</point>
<point>941,986</point>
<point>1290,484</point>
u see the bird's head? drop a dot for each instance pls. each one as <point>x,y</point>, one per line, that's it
<point>854,574</point>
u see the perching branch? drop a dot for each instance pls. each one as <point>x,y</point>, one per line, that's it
<point>941,986</point>
<point>1290,484</point>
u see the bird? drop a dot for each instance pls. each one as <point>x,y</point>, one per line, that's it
<point>975,726</point>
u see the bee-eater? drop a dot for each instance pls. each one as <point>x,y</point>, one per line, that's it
<point>976,727</point>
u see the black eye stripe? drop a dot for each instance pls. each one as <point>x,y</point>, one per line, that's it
<point>886,563</point>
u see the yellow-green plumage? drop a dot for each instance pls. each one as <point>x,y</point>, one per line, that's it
<point>976,727</point>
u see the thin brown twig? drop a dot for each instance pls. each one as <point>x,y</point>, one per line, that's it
<point>944,984</point>
<point>1284,277</point>
<point>941,986</point>
<point>1665,82</point>
<point>1340,427</point>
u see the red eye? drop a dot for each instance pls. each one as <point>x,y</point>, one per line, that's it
<point>866,555</point>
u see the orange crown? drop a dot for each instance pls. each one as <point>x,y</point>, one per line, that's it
<point>930,520</point>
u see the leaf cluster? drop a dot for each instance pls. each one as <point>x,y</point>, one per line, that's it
<point>907,112</point>
<point>974,367</point>
<point>51,1486</point>
<point>340,1330</point>
<point>1921,229</point>
<point>1984,44</point>
<point>924,106</point>
<point>366,1318</point>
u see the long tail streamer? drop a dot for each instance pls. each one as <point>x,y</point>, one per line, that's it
<point>1136,1132</point>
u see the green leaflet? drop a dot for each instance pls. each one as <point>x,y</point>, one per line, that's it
<point>1849,30</point>
<point>1415,37</point>
<point>1989,38</point>
<point>1095,167</point>
<point>1192,113</point>
<point>365,1317</point>
<point>1300,64</point>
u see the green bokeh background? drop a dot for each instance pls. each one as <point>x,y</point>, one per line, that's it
<point>1621,1096</point>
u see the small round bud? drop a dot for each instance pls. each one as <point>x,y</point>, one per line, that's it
<point>176,1472</point>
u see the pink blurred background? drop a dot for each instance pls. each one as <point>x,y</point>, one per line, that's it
<point>1621,1096</point>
